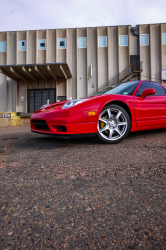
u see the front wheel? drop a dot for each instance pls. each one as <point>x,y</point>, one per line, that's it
<point>113,125</point>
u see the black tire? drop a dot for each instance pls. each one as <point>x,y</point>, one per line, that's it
<point>114,124</point>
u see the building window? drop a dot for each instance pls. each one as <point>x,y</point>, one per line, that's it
<point>102,41</point>
<point>163,38</point>
<point>3,46</point>
<point>22,45</point>
<point>123,40</point>
<point>144,39</point>
<point>81,42</point>
<point>61,43</point>
<point>41,44</point>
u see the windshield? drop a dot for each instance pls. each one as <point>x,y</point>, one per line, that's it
<point>124,88</point>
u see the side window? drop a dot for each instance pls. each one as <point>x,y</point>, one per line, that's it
<point>159,90</point>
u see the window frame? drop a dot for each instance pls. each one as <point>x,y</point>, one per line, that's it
<point>98,42</point>
<point>85,43</point>
<point>25,44</point>
<point>162,38</point>
<point>65,42</point>
<point>6,46</point>
<point>148,39</point>
<point>119,41</point>
<point>39,42</point>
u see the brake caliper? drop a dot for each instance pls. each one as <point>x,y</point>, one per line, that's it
<point>102,124</point>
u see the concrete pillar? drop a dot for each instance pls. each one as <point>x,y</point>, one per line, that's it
<point>7,47</point>
<point>14,101</point>
<point>87,60</point>
<point>108,52</point>
<point>56,44</point>
<point>7,62</point>
<point>16,47</point>
<point>77,62</point>
<point>47,42</point>
<point>26,46</point>
<point>140,48</point>
<point>36,50</point>
<point>150,50</point>
<point>118,50</point>
<point>161,47</point>
<point>129,29</point>
<point>67,89</point>
<point>67,45</point>
<point>36,46</point>
<point>97,84</point>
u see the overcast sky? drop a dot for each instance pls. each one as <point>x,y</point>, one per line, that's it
<point>52,14</point>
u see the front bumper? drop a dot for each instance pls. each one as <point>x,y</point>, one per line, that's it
<point>73,121</point>
<point>73,128</point>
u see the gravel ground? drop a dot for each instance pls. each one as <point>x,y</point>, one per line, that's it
<point>81,194</point>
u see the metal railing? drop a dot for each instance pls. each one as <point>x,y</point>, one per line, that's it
<point>122,75</point>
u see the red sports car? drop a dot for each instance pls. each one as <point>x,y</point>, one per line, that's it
<point>110,114</point>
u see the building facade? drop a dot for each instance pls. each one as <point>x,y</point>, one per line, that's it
<point>61,64</point>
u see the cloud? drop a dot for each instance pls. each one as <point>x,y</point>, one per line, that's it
<point>51,14</point>
<point>12,11</point>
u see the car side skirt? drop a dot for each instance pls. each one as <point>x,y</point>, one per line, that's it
<point>135,128</point>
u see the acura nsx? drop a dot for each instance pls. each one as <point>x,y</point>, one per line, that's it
<point>109,114</point>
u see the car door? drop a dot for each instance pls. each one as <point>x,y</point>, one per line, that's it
<point>151,110</point>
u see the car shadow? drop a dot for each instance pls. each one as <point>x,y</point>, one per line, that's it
<point>146,133</point>
<point>45,142</point>
<point>62,142</point>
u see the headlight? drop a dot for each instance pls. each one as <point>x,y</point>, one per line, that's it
<point>72,103</point>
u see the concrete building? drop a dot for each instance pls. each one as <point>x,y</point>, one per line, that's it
<point>60,64</point>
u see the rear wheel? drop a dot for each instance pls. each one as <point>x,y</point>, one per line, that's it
<point>113,125</point>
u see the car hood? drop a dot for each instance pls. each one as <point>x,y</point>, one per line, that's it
<point>58,105</point>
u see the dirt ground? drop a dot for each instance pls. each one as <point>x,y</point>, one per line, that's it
<point>81,194</point>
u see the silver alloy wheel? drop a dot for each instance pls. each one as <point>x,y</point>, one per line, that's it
<point>112,124</point>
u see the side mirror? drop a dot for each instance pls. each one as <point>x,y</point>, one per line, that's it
<point>147,92</point>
